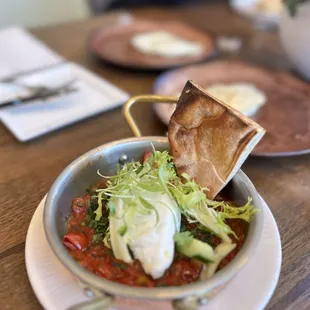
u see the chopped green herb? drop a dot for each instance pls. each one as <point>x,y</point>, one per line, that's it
<point>122,231</point>
<point>119,265</point>
<point>97,238</point>
<point>183,227</point>
<point>100,226</point>
<point>183,238</point>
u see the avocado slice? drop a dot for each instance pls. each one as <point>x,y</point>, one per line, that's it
<point>196,249</point>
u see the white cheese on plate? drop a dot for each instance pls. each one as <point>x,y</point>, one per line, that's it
<point>244,97</point>
<point>162,43</point>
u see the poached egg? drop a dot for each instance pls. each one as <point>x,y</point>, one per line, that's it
<point>149,235</point>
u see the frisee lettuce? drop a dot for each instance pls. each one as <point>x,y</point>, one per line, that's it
<point>135,178</point>
<point>227,211</point>
<point>158,174</point>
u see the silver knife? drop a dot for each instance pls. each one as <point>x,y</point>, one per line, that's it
<point>49,94</point>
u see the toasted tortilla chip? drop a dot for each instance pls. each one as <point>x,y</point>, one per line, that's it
<point>210,140</point>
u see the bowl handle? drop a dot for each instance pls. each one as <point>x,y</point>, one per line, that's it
<point>100,303</point>
<point>143,99</point>
<point>190,303</point>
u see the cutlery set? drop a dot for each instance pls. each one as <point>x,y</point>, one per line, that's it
<point>38,92</point>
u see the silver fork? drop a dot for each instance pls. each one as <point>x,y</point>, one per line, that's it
<point>40,90</point>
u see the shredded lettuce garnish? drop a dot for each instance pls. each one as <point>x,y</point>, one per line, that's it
<point>134,180</point>
<point>227,211</point>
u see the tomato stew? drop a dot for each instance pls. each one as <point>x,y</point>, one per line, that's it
<point>87,247</point>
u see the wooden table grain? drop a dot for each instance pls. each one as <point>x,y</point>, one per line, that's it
<point>27,170</point>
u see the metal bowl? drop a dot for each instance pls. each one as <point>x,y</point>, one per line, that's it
<point>82,173</point>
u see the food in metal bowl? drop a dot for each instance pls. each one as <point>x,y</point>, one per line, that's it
<point>145,226</point>
<point>159,221</point>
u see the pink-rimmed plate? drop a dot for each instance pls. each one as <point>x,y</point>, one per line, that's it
<point>285,116</point>
<point>113,44</point>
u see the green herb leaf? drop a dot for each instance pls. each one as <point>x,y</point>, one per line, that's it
<point>183,238</point>
<point>122,231</point>
<point>97,238</point>
<point>202,259</point>
<point>100,226</point>
<point>119,265</point>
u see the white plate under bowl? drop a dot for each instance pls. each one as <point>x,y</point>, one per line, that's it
<point>57,289</point>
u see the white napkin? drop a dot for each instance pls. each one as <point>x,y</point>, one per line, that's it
<point>22,52</point>
<point>29,120</point>
<point>94,95</point>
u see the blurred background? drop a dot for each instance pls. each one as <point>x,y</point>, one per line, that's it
<point>33,13</point>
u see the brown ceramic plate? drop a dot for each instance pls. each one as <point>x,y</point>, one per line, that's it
<point>285,116</point>
<point>112,44</point>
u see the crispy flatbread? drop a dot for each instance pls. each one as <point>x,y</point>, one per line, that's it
<point>210,140</point>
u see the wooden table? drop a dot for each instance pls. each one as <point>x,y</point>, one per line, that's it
<point>28,169</point>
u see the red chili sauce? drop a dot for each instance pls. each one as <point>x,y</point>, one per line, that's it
<point>99,259</point>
